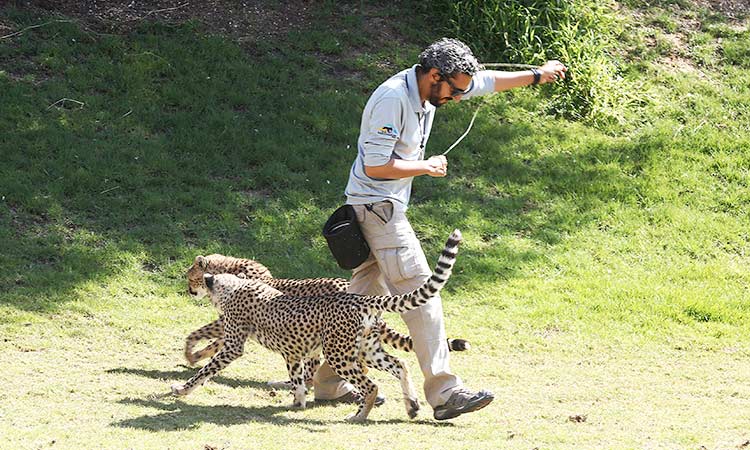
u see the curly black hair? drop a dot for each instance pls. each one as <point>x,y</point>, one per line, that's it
<point>450,57</point>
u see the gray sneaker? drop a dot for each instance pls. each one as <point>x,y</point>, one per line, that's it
<point>463,401</point>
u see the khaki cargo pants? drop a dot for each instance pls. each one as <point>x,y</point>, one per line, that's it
<point>397,265</point>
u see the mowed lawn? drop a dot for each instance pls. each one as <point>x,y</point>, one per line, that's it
<point>603,280</point>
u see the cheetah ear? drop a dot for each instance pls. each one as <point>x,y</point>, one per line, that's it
<point>242,275</point>
<point>209,280</point>
<point>201,262</point>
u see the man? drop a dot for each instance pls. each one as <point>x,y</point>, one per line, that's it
<point>395,126</point>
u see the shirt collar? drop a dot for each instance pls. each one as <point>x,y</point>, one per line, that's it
<point>413,88</point>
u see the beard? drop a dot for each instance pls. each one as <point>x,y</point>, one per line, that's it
<point>435,99</point>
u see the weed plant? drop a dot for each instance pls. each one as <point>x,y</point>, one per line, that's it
<point>579,32</point>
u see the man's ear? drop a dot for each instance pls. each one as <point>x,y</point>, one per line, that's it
<point>434,73</point>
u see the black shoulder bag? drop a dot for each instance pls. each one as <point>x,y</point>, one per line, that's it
<point>345,239</point>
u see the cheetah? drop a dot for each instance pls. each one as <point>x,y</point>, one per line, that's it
<point>248,268</point>
<point>342,325</point>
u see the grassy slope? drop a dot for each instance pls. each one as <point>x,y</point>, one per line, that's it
<point>604,272</point>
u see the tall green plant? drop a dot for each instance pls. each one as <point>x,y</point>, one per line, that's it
<point>577,32</point>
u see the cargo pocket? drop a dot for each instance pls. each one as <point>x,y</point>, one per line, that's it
<point>400,263</point>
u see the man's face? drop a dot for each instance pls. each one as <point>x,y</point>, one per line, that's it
<point>445,89</point>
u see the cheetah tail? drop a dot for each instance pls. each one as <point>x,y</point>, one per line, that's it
<point>404,342</point>
<point>415,299</point>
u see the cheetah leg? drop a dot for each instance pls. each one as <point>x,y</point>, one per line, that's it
<point>212,330</point>
<point>347,367</point>
<point>233,349</point>
<point>376,357</point>
<point>311,366</point>
<point>208,351</point>
<point>296,368</point>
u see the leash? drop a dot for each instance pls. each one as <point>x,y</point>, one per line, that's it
<point>471,124</point>
<point>521,66</point>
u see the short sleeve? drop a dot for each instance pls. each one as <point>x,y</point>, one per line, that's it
<point>385,128</point>
<point>482,83</point>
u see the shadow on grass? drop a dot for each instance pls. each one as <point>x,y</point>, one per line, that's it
<point>179,415</point>
<point>188,372</point>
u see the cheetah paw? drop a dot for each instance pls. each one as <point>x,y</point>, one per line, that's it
<point>412,408</point>
<point>356,418</point>
<point>179,390</point>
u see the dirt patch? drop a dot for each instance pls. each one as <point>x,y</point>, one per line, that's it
<point>577,418</point>
<point>683,65</point>
<point>734,9</point>
<point>5,27</point>
<point>236,19</point>
<point>245,22</point>
<point>689,21</point>
<point>240,20</point>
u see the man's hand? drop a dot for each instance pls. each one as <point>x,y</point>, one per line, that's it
<point>551,71</point>
<point>437,166</point>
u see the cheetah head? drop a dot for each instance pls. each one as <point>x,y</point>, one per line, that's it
<point>196,285</point>
<point>196,277</point>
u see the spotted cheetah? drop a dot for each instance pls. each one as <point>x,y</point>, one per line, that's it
<point>342,325</point>
<point>248,268</point>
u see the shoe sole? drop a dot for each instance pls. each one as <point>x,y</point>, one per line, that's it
<point>467,409</point>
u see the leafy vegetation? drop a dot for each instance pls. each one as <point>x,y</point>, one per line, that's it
<point>579,32</point>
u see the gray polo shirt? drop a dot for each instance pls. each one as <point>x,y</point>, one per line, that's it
<point>396,124</point>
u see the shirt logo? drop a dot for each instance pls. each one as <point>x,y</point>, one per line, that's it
<point>388,130</point>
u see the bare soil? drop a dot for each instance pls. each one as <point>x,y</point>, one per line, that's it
<point>237,19</point>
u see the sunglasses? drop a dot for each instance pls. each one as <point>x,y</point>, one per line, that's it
<point>454,90</point>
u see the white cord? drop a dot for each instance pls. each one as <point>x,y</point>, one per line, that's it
<point>522,66</point>
<point>471,124</point>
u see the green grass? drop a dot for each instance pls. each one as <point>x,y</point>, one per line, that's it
<point>604,272</point>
